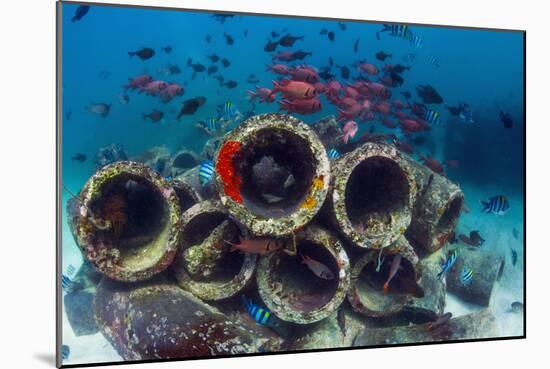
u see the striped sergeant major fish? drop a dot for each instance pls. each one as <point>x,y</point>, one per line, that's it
<point>70,270</point>
<point>496,205</point>
<point>211,125</point>
<point>260,315</point>
<point>333,154</point>
<point>466,276</point>
<point>448,264</point>
<point>432,117</point>
<point>417,41</point>
<point>206,172</point>
<point>432,60</point>
<point>397,30</point>
<point>228,111</point>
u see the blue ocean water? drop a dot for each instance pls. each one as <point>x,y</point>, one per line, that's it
<point>481,67</point>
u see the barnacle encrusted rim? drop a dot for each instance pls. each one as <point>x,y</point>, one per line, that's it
<point>210,290</point>
<point>272,294</point>
<point>343,168</point>
<point>106,258</point>
<point>228,183</point>
<point>394,303</point>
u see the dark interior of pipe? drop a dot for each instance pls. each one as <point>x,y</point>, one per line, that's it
<point>277,169</point>
<point>450,216</point>
<point>302,288</point>
<point>136,211</point>
<point>185,198</point>
<point>199,228</point>
<point>184,161</point>
<point>402,282</point>
<point>377,189</point>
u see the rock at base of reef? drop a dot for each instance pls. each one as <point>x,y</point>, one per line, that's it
<point>156,320</point>
<point>478,325</point>
<point>79,313</point>
<point>338,330</point>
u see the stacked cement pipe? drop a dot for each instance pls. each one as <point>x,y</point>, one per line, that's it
<point>156,240</point>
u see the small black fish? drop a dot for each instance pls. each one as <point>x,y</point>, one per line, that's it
<point>211,70</point>
<point>323,31</point>
<point>454,110</point>
<point>222,17</point>
<point>230,84</point>
<point>274,34</point>
<point>155,116</point>
<point>331,36</point>
<point>208,38</point>
<point>190,107</point>
<point>406,94</point>
<point>79,157</point>
<point>399,68</point>
<point>226,63</point>
<point>228,39</point>
<point>342,26</point>
<point>330,61</point>
<point>252,79</point>
<point>300,55</point>
<point>514,256</point>
<point>167,49</point>
<point>356,46</point>
<point>198,67</point>
<point>506,120</point>
<point>80,12</point>
<point>326,75</point>
<point>378,36</point>
<point>144,53</point>
<point>214,58</point>
<point>245,33</point>
<point>271,46</point>
<point>515,233</point>
<point>428,94</point>
<point>219,78</point>
<point>68,114</point>
<point>383,56</point>
<point>289,40</point>
<point>344,71</point>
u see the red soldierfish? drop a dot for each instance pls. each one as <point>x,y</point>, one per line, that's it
<point>318,268</point>
<point>255,246</point>
<point>395,264</point>
<point>294,90</point>
<point>308,106</point>
<point>350,130</point>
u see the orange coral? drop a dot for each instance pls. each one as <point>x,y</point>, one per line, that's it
<point>309,203</point>
<point>226,170</point>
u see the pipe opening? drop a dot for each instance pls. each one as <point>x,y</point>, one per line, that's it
<point>185,198</point>
<point>138,216</point>
<point>277,169</point>
<point>370,284</point>
<point>376,192</point>
<point>304,290</point>
<point>450,216</point>
<point>184,161</point>
<point>230,263</point>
